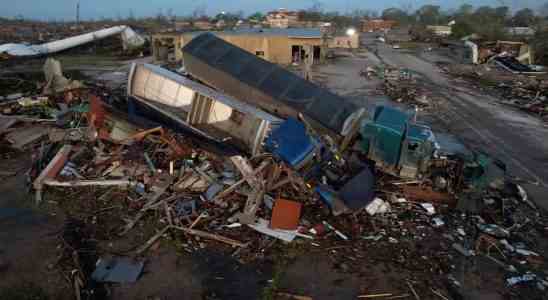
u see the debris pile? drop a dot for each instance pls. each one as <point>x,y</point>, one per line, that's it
<point>388,197</point>
<point>402,86</point>
<point>527,93</point>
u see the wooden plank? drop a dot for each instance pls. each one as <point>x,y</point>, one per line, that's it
<point>211,236</point>
<point>25,136</point>
<point>53,167</point>
<point>233,187</point>
<point>79,183</point>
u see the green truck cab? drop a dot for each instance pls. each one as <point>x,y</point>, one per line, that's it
<point>396,144</point>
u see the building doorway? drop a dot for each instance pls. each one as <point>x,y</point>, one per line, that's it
<point>317,53</point>
<point>298,54</point>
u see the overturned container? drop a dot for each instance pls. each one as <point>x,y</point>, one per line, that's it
<point>199,108</point>
<point>270,87</point>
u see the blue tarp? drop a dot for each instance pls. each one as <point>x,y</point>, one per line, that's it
<point>290,142</point>
<point>360,190</point>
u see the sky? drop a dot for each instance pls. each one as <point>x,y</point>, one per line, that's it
<point>65,9</point>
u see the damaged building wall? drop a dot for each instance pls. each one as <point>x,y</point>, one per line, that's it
<point>277,48</point>
<point>166,47</point>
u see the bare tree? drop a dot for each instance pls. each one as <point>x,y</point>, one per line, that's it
<point>543,10</point>
<point>407,7</point>
<point>131,15</point>
<point>170,14</point>
<point>317,6</point>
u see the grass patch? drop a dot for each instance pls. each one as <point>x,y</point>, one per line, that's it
<point>284,255</point>
<point>27,291</point>
<point>269,292</point>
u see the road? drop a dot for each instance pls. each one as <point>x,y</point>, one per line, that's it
<point>480,121</point>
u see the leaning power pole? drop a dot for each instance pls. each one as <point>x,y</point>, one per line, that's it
<point>78,13</point>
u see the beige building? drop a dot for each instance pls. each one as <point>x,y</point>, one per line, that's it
<point>280,46</point>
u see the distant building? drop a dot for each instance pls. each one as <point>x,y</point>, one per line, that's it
<point>203,24</point>
<point>399,34</point>
<point>241,24</point>
<point>520,31</point>
<point>182,25</point>
<point>220,24</point>
<point>377,25</point>
<point>464,52</point>
<point>481,52</point>
<point>440,30</point>
<point>277,45</point>
<point>283,18</point>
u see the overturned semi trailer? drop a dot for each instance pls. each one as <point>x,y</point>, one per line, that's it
<point>270,87</point>
<point>199,108</point>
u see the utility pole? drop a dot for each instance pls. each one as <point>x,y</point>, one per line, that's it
<point>78,13</point>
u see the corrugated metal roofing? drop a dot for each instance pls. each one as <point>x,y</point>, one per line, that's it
<point>303,96</point>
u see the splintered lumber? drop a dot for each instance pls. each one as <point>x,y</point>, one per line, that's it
<point>438,293</point>
<point>78,183</point>
<point>233,187</point>
<point>254,201</point>
<point>187,230</point>
<point>141,135</point>
<point>229,190</point>
<point>246,169</point>
<point>210,236</point>
<point>152,240</point>
<point>371,296</point>
<point>51,170</point>
<point>413,291</point>
<point>133,222</point>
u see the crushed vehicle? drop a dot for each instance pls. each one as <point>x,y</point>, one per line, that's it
<point>396,144</point>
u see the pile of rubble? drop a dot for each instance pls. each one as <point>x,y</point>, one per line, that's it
<point>401,85</point>
<point>527,93</point>
<point>347,202</point>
